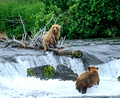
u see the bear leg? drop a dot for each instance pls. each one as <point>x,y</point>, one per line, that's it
<point>98,81</point>
<point>84,89</point>
<point>79,89</point>
<point>45,47</point>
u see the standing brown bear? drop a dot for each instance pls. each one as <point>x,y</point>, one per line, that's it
<point>87,79</point>
<point>52,37</point>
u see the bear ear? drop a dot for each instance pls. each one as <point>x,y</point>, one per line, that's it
<point>60,27</point>
<point>88,68</point>
<point>53,26</point>
<point>97,68</point>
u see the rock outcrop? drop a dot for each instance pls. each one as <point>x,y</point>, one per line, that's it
<point>62,72</point>
<point>89,59</point>
<point>42,72</point>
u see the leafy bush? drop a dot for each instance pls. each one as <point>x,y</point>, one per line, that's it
<point>91,18</point>
<point>84,18</point>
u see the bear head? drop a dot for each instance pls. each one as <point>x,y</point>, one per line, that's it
<point>56,28</point>
<point>93,69</point>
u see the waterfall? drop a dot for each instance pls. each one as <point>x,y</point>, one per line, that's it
<point>110,69</point>
<point>15,83</point>
<point>18,67</point>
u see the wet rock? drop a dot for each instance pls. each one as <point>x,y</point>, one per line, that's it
<point>89,59</point>
<point>64,73</point>
<point>42,72</point>
<point>47,71</point>
<point>68,52</point>
<point>5,59</point>
<point>118,78</point>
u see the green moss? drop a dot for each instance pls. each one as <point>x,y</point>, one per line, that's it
<point>37,76</point>
<point>75,74</point>
<point>48,71</point>
<point>30,72</point>
<point>77,53</point>
<point>118,78</point>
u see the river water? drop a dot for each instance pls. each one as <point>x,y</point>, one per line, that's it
<point>14,62</point>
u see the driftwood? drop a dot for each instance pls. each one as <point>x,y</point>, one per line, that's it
<point>67,52</point>
<point>36,41</point>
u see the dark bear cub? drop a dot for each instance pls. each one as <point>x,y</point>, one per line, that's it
<point>87,79</point>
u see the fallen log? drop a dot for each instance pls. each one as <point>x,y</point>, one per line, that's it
<point>67,52</point>
<point>36,42</point>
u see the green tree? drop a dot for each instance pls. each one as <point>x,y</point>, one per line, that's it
<point>93,18</point>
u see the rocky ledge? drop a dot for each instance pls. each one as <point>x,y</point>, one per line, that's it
<point>62,72</point>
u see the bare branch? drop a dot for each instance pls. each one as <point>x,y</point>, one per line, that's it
<point>11,21</point>
<point>6,40</point>
<point>2,40</point>
<point>2,36</point>
<point>61,41</point>
<point>36,42</point>
<point>37,39</point>
<point>58,17</point>
<point>42,31</point>
<point>7,44</point>
<point>49,21</point>
<point>24,36</point>
<point>20,42</point>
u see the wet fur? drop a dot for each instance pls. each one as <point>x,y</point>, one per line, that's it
<point>87,79</point>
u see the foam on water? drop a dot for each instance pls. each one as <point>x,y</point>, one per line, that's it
<point>110,69</point>
<point>32,87</point>
<point>14,83</point>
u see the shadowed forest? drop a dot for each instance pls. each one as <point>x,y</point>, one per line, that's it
<point>82,18</point>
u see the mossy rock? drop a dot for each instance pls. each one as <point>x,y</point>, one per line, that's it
<point>118,78</point>
<point>30,72</point>
<point>47,71</point>
<point>76,54</point>
<point>42,72</point>
<point>64,73</point>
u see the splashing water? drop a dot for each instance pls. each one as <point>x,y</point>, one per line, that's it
<point>14,83</point>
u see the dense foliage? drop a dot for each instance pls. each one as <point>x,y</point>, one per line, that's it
<point>94,18</point>
<point>84,18</point>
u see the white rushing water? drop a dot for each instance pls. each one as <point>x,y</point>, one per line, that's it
<point>14,82</point>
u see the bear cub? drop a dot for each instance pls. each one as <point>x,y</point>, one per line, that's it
<point>87,79</point>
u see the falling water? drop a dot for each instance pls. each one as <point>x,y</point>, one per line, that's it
<point>19,66</point>
<point>15,83</point>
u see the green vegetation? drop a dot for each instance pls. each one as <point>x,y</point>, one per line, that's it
<point>118,78</point>
<point>84,18</point>
<point>94,18</point>
<point>48,71</point>
<point>30,72</point>
<point>42,72</point>
<point>77,54</point>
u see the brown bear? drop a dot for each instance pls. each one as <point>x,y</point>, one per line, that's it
<point>52,37</point>
<point>87,79</point>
